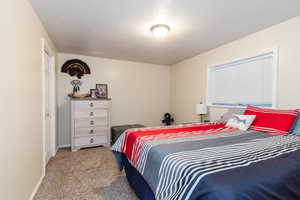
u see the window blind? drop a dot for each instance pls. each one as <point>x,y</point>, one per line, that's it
<point>249,81</point>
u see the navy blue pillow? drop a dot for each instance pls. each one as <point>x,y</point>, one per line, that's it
<point>296,128</point>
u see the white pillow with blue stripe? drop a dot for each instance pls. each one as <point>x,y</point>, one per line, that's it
<point>242,122</point>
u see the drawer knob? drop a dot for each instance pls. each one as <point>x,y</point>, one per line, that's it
<point>92,140</point>
<point>91,105</point>
<point>91,113</point>
<point>92,131</point>
<point>92,122</point>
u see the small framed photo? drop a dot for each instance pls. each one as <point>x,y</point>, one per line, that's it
<point>102,91</point>
<point>94,93</point>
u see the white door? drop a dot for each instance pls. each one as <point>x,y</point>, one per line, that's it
<point>47,104</point>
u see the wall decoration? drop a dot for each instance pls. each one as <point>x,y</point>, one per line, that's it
<point>102,91</point>
<point>75,67</point>
<point>76,86</point>
<point>94,93</point>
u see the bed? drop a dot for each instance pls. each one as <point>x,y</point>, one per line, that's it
<point>209,162</point>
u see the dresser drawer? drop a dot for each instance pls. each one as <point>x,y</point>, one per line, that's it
<point>88,141</point>
<point>91,122</point>
<point>91,131</point>
<point>90,104</point>
<point>91,113</point>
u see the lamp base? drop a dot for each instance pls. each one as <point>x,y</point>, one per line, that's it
<point>201,118</point>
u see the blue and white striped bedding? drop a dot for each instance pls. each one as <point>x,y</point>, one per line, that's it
<point>234,165</point>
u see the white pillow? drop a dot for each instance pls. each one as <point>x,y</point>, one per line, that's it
<point>242,122</point>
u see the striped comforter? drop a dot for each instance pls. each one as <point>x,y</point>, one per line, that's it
<point>214,162</point>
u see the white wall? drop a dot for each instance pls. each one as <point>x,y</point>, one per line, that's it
<point>140,92</point>
<point>188,78</point>
<point>21,100</point>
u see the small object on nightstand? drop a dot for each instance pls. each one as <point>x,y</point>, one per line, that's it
<point>201,110</point>
<point>168,120</point>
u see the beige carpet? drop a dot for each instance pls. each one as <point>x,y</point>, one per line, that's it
<point>89,174</point>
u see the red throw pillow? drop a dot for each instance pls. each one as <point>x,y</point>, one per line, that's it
<point>277,122</point>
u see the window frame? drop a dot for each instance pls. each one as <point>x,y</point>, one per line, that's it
<point>273,52</point>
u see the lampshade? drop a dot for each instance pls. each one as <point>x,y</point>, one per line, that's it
<point>201,109</point>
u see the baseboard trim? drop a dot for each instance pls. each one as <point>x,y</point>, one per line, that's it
<point>64,146</point>
<point>56,150</point>
<point>37,187</point>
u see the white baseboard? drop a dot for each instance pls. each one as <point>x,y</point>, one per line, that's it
<point>43,175</point>
<point>56,150</point>
<point>64,146</point>
<point>37,187</point>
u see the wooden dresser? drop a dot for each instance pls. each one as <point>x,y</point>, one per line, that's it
<point>90,122</point>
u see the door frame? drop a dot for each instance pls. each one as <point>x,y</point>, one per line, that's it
<point>47,49</point>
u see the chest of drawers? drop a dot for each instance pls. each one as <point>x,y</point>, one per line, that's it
<point>90,123</point>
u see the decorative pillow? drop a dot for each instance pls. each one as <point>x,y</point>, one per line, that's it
<point>230,112</point>
<point>277,122</point>
<point>296,127</point>
<point>241,122</point>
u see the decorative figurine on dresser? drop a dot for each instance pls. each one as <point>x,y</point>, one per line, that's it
<point>90,122</point>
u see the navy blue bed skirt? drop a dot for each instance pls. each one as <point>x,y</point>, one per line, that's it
<point>137,182</point>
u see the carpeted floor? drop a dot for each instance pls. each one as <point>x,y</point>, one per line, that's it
<point>89,174</point>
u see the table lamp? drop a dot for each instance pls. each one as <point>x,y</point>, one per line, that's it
<point>201,110</point>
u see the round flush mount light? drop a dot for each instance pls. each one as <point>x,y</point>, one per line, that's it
<point>160,30</point>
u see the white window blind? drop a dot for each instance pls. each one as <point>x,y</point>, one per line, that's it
<point>250,81</point>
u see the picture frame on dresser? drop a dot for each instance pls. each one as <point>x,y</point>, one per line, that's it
<point>94,93</point>
<point>102,91</point>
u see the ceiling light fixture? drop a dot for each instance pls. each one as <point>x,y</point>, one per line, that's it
<point>160,30</point>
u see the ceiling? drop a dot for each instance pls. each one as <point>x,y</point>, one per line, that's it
<point>120,29</point>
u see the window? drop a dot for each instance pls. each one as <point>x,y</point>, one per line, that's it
<point>248,81</point>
